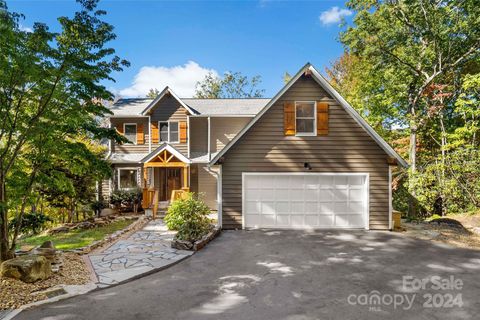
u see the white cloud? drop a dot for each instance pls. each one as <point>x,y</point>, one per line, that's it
<point>334,15</point>
<point>24,28</point>
<point>182,79</point>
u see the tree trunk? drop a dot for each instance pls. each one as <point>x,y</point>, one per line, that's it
<point>5,254</point>
<point>412,206</point>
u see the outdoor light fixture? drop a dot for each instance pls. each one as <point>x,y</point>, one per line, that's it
<point>307,166</point>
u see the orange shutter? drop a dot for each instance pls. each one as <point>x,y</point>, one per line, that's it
<point>289,118</point>
<point>140,135</point>
<point>322,118</point>
<point>183,131</point>
<point>154,132</point>
<point>119,127</point>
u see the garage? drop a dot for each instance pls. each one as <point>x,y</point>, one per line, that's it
<point>305,200</point>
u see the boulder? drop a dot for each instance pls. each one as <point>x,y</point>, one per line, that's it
<point>47,245</point>
<point>27,268</point>
<point>182,244</point>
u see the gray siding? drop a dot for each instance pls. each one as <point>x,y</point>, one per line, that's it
<point>169,109</point>
<point>198,136</point>
<point>265,148</point>
<point>223,130</point>
<point>207,186</point>
<point>131,148</point>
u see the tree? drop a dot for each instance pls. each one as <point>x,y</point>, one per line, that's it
<point>50,93</point>
<point>153,93</point>
<point>232,85</point>
<point>412,45</point>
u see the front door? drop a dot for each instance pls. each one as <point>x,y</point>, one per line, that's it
<point>170,179</point>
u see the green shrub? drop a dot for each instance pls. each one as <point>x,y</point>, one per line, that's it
<point>189,217</point>
<point>32,223</point>
<point>126,200</point>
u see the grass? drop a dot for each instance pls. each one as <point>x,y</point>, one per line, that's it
<point>76,238</point>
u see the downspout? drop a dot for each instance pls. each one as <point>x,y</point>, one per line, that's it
<point>390,205</point>
<point>209,142</point>
<point>219,192</point>
<point>149,134</point>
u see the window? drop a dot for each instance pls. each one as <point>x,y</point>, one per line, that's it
<point>127,178</point>
<point>169,131</point>
<point>173,132</point>
<point>305,118</point>
<point>163,131</point>
<point>130,130</point>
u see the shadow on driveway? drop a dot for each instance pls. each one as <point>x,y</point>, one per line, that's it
<point>291,275</point>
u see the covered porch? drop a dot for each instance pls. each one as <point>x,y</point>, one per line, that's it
<point>166,176</point>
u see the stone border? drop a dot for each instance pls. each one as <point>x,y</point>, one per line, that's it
<point>111,238</point>
<point>199,244</point>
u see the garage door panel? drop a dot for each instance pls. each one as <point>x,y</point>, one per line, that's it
<point>305,200</point>
<point>311,207</point>
<point>252,207</point>
<point>267,220</point>
<point>326,207</point>
<point>326,195</point>
<point>325,181</point>
<point>326,221</point>
<point>282,194</point>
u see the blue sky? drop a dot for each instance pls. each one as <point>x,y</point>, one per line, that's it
<point>176,43</point>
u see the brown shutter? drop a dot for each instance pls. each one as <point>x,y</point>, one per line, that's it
<point>183,131</point>
<point>154,128</point>
<point>119,127</point>
<point>289,118</point>
<point>322,118</point>
<point>140,134</point>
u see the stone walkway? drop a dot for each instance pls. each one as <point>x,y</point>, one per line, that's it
<point>145,250</point>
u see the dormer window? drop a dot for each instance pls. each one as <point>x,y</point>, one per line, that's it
<point>130,131</point>
<point>305,118</point>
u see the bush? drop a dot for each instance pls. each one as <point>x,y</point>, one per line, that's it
<point>98,206</point>
<point>125,200</point>
<point>32,223</point>
<point>189,217</point>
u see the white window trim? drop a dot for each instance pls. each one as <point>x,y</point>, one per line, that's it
<point>169,127</point>
<point>307,134</point>
<point>127,169</point>
<point>125,133</point>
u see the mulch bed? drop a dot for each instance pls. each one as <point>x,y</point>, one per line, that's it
<point>15,293</point>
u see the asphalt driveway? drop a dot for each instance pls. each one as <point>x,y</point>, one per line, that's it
<point>295,275</point>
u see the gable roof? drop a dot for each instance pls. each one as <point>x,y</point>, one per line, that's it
<point>329,89</point>
<point>165,91</point>
<point>169,148</point>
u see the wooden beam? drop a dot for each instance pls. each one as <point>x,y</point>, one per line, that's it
<point>165,165</point>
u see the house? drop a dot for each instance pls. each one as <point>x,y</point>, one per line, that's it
<point>303,159</point>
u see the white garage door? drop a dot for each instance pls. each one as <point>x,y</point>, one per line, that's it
<point>310,200</point>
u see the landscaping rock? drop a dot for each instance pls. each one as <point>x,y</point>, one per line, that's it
<point>47,244</point>
<point>28,268</point>
<point>59,230</point>
<point>182,244</point>
<point>85,225</point>
<point>476,230</point>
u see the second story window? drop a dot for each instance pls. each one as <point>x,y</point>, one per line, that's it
<point>173,132</point>
<point>163,127</point>
<point>305,116</point>
<point>169,131</point>
<point>130,130</point>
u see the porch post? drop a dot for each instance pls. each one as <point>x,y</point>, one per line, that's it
<point>185,177</point>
